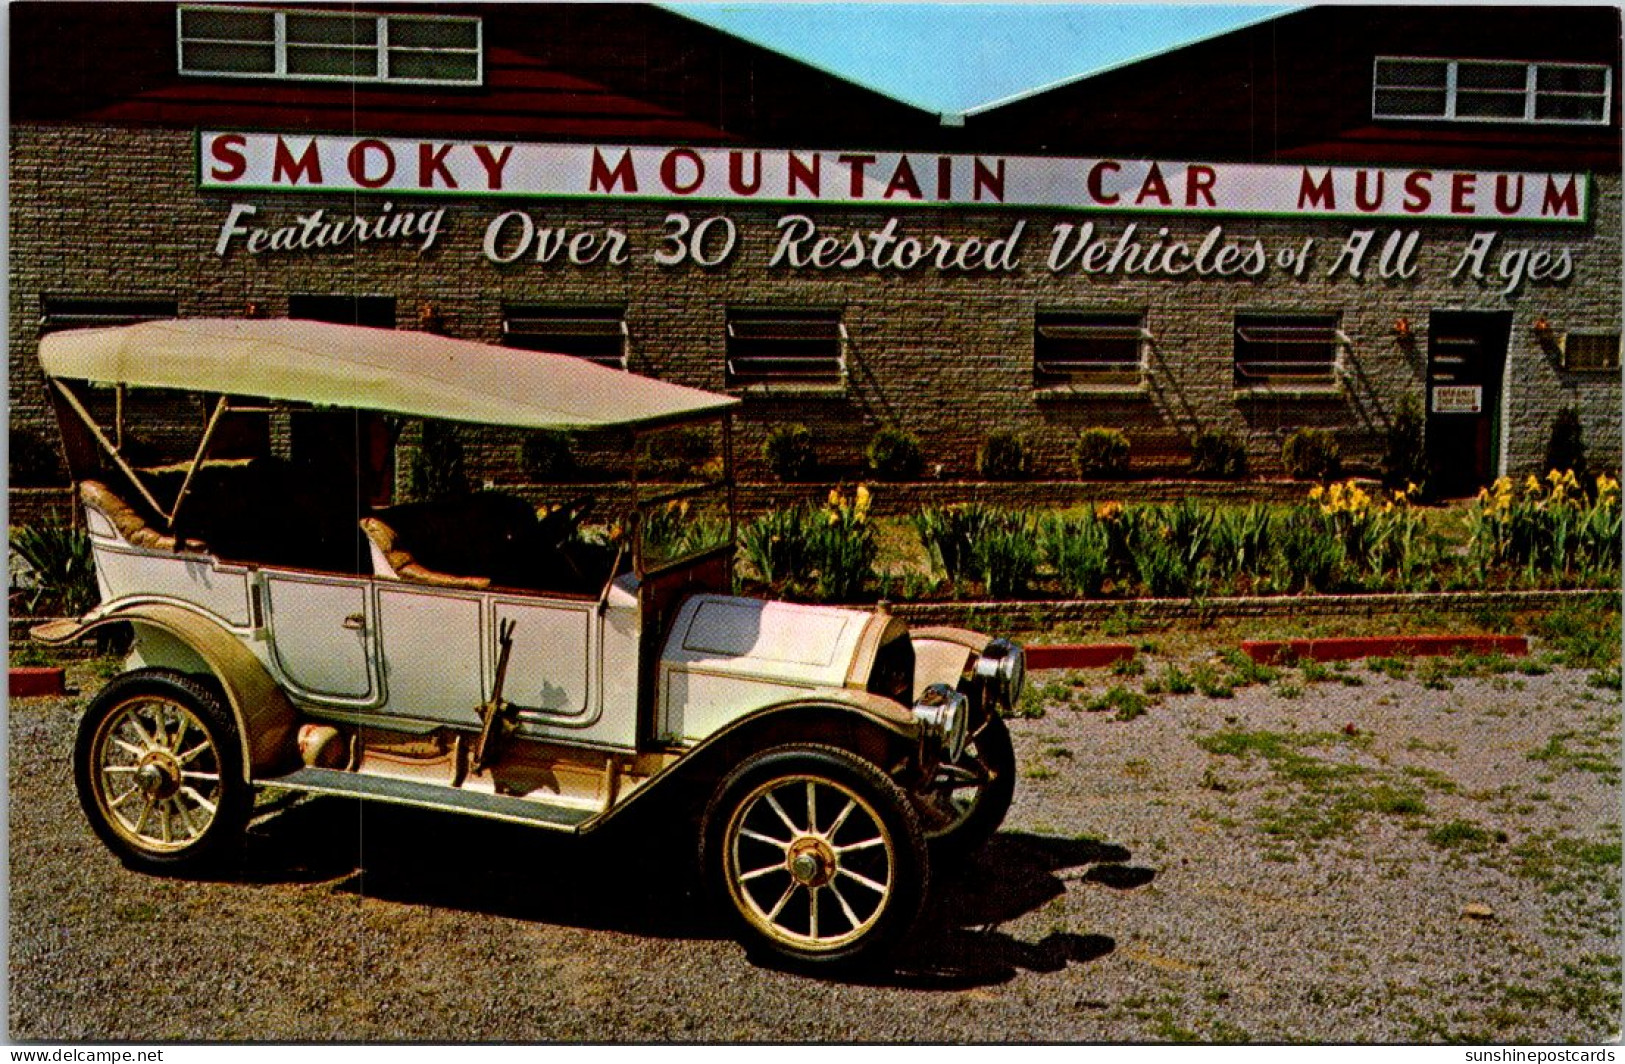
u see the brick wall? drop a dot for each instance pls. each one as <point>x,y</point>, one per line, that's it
<point>116,212</point>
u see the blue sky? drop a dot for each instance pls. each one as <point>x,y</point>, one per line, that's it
<point>956,56</point>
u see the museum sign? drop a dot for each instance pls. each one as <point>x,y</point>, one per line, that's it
<point>395,166</point>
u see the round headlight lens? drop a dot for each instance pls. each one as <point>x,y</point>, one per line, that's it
<point>945,715</point>
<point>1003,668</point>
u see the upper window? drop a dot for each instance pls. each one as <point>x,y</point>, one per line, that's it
<point>1088,348</point>
<point>1286,349</point>
<point>253,42</point>
<point>1483,90</point>
<point>597,334</point>
<point>73,312</point>
<point>786,347</point>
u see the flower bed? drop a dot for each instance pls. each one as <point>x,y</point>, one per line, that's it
<point>1340,539</point>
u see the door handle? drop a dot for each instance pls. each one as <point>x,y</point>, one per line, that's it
<point>355,622</point>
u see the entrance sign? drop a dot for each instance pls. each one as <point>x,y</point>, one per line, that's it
<point>399,166</point>
<point>1458,399</point>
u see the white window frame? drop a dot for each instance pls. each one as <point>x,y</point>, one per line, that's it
<point>95,311</point>
<point>1126,371</point>
<point>1325,374</point>
<point>785,316</point>
<point>561,320</point>
<point>1531,93</point>
<point>280,45</point>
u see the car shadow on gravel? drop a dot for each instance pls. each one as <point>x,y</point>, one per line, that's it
<point>1016,873</point>
<point>643,882</point>
<point>638,884</point>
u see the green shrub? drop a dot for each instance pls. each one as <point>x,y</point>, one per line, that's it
<point>1079,549</point>
<point>895,455</point>
<point>842,547</point>
<point>1003,456</point>
<point>829,553</point>
<point>1310,554</point>
<point>1161,569</point>
<point>1565,448</point>
<point>1217,455</point>
<point>1404,458</point>
<point>1168,547</point>
<point>1101,452</point>
<point>436,469</point>
<point>948,533</point>
<point>775,545</point>
<point>790,454</point>
<point>547,456</point>
<point>686,453</point>
<point>1005,555</point>
<point>1312,454</point>
<point>1242,540</point>
<point>61,578</point>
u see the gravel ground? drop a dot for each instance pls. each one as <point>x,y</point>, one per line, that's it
<point>1423,859</point>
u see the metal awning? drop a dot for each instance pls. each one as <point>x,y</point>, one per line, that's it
<point>398,371</point>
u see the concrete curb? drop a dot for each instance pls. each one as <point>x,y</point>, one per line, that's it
<point>1077,655</point>
<point>1285,651</point>
<point>36,681</point>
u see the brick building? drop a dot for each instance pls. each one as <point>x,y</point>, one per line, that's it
<point>1311,221</point>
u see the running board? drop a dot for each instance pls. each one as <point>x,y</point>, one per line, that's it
<point>433,796</point>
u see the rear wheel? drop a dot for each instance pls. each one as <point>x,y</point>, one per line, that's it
<point>158,767</point>
<point>817,855</point>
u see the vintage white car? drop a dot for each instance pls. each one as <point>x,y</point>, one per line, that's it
<point>481,656</point>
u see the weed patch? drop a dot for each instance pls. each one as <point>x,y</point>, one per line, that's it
<point>1122,703</point>
<point>1327,798</point>
<point>1570,751</point>
<point>1211,683</point>
<point>1395,668</point>
<point>1464,836</point>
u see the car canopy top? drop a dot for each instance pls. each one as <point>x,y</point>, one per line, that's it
<point>403,372</point>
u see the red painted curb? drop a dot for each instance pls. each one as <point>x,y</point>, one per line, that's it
<point>1271,652</point>
<point>1077,655</point>
<point>36,681</point>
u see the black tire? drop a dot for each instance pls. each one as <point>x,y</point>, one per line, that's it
<point>973,794</point>
<point>159,769</point>
<point>817,857</point>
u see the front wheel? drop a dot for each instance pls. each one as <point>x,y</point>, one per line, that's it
<point>158,768</point>
<point>968,799</point>
<point>817,854</point>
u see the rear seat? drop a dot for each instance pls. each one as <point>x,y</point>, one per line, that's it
<point>392,561</point>
<point>484,539</point>
<point>130,525</point>
<point>260,513</point>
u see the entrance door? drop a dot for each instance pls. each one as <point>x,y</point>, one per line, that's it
<point>1466,357</point>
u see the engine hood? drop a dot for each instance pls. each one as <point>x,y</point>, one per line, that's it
<point>726,657</point>
<point>784,641</point>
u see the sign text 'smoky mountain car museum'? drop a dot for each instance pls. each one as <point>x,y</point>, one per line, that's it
<point>1317,220</point>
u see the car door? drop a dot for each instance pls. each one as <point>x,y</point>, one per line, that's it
<point>320,635</point>
<point>438,651</point>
